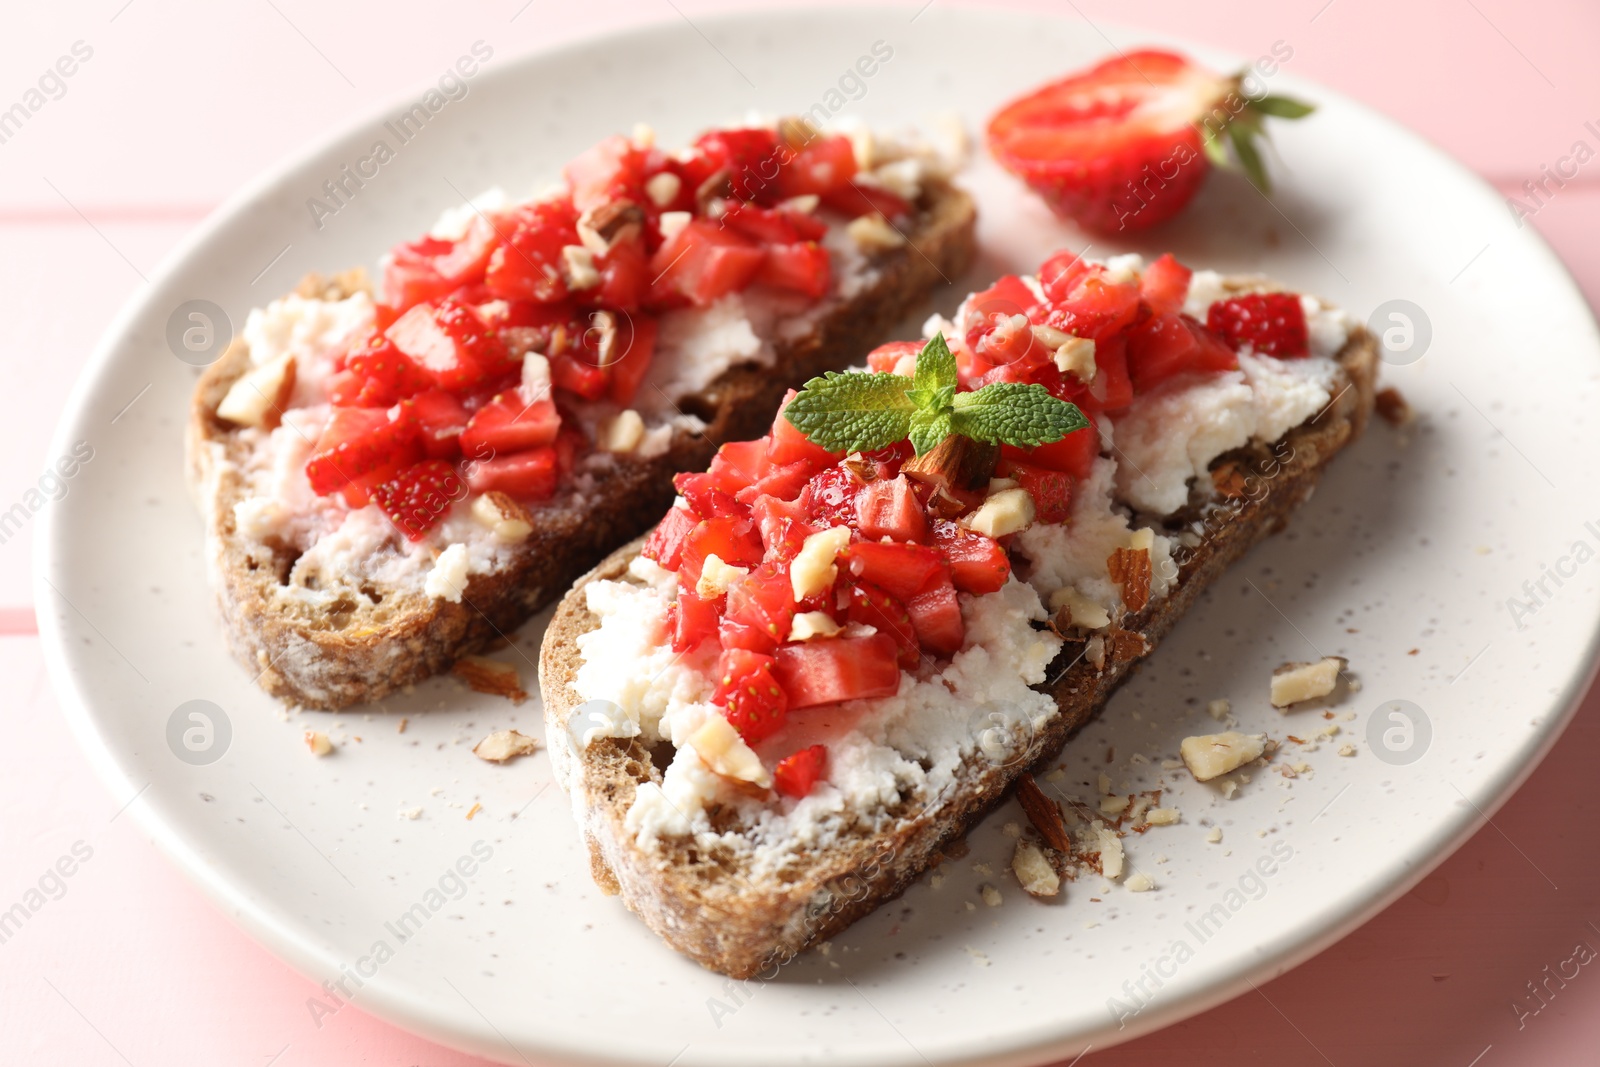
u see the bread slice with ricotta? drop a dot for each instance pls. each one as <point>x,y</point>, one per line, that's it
<point>742,884</point>
<point>327,605</point>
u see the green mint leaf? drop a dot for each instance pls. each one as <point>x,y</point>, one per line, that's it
<point>928,428</point>
<point>852,411</point>
<point>936,371</point>
<point>1281,107</point>
<point>1014,414</point>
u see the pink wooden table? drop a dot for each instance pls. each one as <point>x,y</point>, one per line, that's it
<point>176,104</point>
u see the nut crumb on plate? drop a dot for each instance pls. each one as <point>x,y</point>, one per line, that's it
<point>503,745</point>
<point>318,742</point>
<point>1209,756</point>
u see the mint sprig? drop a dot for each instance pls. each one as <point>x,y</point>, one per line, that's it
<point>856,412</point>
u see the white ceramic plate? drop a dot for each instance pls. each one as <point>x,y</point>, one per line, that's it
<point>1404,562</point>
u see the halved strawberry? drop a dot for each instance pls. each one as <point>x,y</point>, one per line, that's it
<point>419,497</point>
<point>1274,323</point>
<point>1127,143</point>
<point>796,775</point>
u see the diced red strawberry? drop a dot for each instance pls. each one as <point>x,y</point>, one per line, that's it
<point>796,775</point>
<point>1166,346</point>
<point>696,621</point>
<point>749,157</point>
<point>734,541</point>
<point>636,347</point>
<point>750,694</point>
<point>828,670</point>
<point>624,277</point>
<point>441,418</point>
<point>1051,490</point>
<point>771,226</point>
<point>665,543</point>
<point>762,603</point>
<point>936,615</point>
<point>902,570</point>
<point>358,441</point>
<point>704,262</point>
<point>419,497</point>
<point>1165,285</point>
<point>706,496</point>
<point>830,497</point>
<point>782,525</point>
<point>891,509</point>
<point>977,563</point>
<point>528,265</point>
<point>530,475</point>
<point>785,444</point>
<point>1113,385</point>
<point>611,170</point>
<point>854,199</point>
<point>509,424</point>
<point>431,268</point>
<point>785,482</point>
<point>801,267</point>
<point>1085,301</point>
<point>386,374</point>
<point>995,322</point>
<point>573,372</point>
<point>1273,323</point>
<point>821,166</point>
<point>449,343</point>
<point>885,358</point>
<point>871,605</point>
<point>739,463</point>
<point>1074,454</point>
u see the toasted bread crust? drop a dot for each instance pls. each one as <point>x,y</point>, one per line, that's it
<point>339,660</point>
<point>742,928</point>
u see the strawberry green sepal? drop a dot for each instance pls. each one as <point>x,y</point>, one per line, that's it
<point>860,412</point>
<point>1237,121</point>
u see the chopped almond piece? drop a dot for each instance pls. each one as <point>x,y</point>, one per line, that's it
<point>491,676</point>
<point>1033,870</point>
<point>1296,682</point>
<point>1209,756</point>
<point>503,745</point>
<point>1130,569</point>
<point>1044,813</point>
<point>318,742</point>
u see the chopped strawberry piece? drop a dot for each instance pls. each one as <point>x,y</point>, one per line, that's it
<point>530,475</point>
<point>885,358</point>
<point>734,541</point>
<point>430,268</point>
<point>854,199</point>
<point>419,497</point>
<point>696,621</point>
<point>936,615</point>
<point>830,497</point>
<point>358,441</point>
<point>1273,323</point>
<point>1113,384</point>
<point>831,669</point>
<point>977,563</point>
<point>749,693</point>
<point>874,607</point>
<point>782,525</point>
<point>665,543</point>
<point>441,418</point>
<point>386,374</point>
<point>528,265</point>
<point>802,267</point>
<point>636,347</point>
<point>624,277</point>
<point>1051,490</point>
<point>1085,301</point>
<point>891,509</point>
<point>571,371</point>
<point>704,262</point>
<point>762,604</point>
<point>739,463</point>
<point>750,160</point>
<point>449,343</point>
<point>772,226</point>
<point>902,570</point>
<point>1169,345</point>
<point>796,775</point>
<point>706,496</point>
<point>785,444</point>
<point>785,482</point>
<point>1165,285</point>
<point>611,170</point>
<point>1074,454</point>
<point>509,424</point>
<point>821,166</point>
